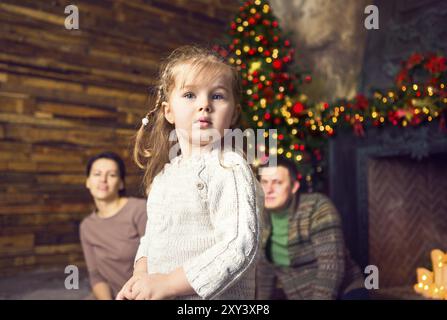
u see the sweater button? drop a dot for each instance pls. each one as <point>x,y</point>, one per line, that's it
<point>200,185</point>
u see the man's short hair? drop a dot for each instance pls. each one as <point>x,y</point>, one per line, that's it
<point>282,161</point>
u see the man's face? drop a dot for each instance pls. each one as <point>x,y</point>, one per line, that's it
<point>278,187</point>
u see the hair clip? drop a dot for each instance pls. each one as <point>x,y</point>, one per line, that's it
<point>145,121</point>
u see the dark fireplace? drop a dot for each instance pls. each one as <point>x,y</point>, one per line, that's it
<point>390,188</point>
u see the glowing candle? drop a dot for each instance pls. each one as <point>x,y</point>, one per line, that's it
<point>437,257</point>
<point>424,276</point>
<point>444,272</point>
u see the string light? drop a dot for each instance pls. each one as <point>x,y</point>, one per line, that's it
<point>265,8</point>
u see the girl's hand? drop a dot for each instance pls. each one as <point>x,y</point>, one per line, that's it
<point>152,287</point>
<point>126,291</point>
<point>143,286</point>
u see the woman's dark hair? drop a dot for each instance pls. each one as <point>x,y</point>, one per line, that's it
<point>111,156</point>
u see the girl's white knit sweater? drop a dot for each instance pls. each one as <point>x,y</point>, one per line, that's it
<point>203,215</point>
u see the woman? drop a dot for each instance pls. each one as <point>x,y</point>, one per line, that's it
<point>110,235</point>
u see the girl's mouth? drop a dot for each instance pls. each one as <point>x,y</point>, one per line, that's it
<point>204,122</point>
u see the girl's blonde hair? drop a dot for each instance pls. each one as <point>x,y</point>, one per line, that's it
<point>152,145</point>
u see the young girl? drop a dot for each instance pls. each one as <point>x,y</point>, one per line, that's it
<point>203,206</point>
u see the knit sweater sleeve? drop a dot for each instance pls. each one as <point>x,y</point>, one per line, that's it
<point>234,216</point>
<point>327,239</point>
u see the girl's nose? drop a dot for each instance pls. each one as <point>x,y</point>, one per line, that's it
<point>205,108</point>
<point>205,105</point>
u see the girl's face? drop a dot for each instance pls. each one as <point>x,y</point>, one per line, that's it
<point>201,107</point>
<point>104,181</point>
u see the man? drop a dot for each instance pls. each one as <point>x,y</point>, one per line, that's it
<point>303,252</point>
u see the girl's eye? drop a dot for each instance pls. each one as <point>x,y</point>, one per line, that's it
<point>188,95</point>
<point>218,96</point>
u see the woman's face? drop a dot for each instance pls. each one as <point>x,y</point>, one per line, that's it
<point>104,181</point>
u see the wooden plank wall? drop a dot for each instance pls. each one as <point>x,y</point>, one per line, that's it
<point>68,94</point>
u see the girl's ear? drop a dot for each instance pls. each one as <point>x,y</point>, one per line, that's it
<point>169,115</point>
<point>236,114</point>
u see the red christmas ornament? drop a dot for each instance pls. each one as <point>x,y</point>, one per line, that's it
<point>268,92</point>
<point>436,64</point>
<point>255,80</point>
<point>275,38</point>
<point>286,59</point>
<point>275,24</point>
<point>251,21</point>
<point>251,103</point>
<point>277,64</point>
<point>267,116</point>
<point>277,121</point>
<point>257,16</point>
<point>287,43</point>
<point>255,73</point>
<point>307,79</point>
<point>413,60</point>
<point>233,26</point>
<point>266,53</point>
<point>266,22</point>
<point>255,96</point>
<point>251,51</point>
<point>260,86</point>
<point>280,136</point>
<point>297,108</point>
<point>296,146</point>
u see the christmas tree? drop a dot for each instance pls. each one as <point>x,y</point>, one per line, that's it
<point>270,80</point>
